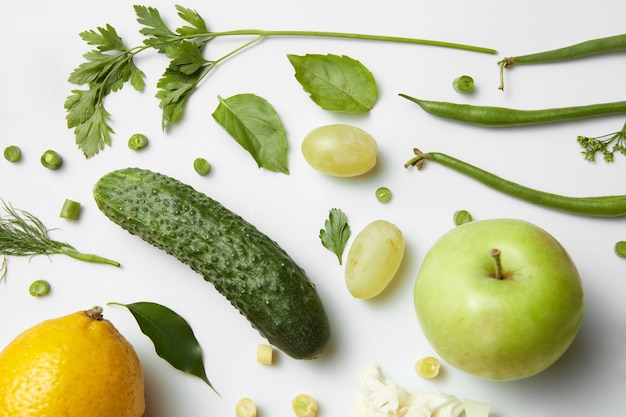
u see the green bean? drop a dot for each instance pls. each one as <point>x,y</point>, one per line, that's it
<point>70,210</point>
<point>51,159</point>
<point>12,153</point>
<point>383,194</point>
<point>201,166</point>
<point>463,84</point>
<point>491,116</point>
<point>39,288</point>
<point>600,206</point>
<point>137,141</point>
<point>598,46</point>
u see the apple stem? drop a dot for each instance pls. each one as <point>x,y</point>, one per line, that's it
<point>495,253</point>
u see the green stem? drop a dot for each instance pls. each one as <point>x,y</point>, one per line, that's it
<point>344,35</point>
<point>87,257</point>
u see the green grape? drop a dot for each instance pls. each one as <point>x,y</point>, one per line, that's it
<point>374,259</point>
<point>340,150</point>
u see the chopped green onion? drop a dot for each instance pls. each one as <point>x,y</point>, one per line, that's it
<point>137,141</point>
<point>620,249</point>
<point>51,159</point>
<point>201,166</point>
<point>383,194</point>
<point>39,288</point>
<point>462,217</point>
<point>70,210</point>
<point>12,153</point>
<point>463,84</point>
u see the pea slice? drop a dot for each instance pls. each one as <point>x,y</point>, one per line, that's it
<point>383,194</point>
<point>620,249</point>
<point>12,153</point>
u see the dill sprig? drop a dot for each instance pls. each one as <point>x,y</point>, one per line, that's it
<point>23,234</point>
<point>602,144</point>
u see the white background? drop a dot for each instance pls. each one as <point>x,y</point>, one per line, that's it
<point>40,46</point>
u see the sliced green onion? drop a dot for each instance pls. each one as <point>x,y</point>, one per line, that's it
<point>383,194</point>
<point>201,166</point>
<point>12,153</point>
<point>463,84</point>
<point>137,141</point>
<point>462,217</point>
<point>620,249</point>
<point>39,288</point>
<point>70,210</point>
<point>51,159</point>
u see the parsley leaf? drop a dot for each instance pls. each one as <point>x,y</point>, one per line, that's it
<point>106,69</point>
<point>336,233</point>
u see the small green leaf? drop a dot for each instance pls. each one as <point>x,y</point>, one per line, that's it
<point>336,83</point>
<point>254,124</point>
<point>336,233</point>
<point>171,335</point>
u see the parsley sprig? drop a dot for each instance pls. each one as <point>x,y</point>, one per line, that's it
<point>602,144</point>
<point>336,233</point>
<point>109,66</point>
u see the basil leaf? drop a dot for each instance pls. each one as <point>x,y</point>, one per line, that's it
<point>337,83</point>
<point>254,124</point>
<point>171,335</point>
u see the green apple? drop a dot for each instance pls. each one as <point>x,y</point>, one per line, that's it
<point>500,299</point>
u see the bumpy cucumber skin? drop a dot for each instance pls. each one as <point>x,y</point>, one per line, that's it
<point>252,271</point>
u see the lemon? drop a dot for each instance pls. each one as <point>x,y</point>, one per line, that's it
<point>73,366</point>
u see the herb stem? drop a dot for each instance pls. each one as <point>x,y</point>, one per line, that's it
<point>86,257</point>
<point>348,35</point>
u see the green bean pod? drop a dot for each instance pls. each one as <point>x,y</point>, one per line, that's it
<point>492,116</point>
<point>598,46</point>
<point>609,44</point>
<point>600,206</point>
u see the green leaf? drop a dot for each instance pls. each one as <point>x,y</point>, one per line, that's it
<point>336,233</point>
<point>174,88</point>
<point>198,27</point>
<point>106,39</point>
<point>186,57</point>
<point>158,35</point>
<point>171,335</point>
<point>254,124</point>
<point>336,83</point>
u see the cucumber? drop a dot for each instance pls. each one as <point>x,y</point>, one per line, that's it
<point>251,270</point>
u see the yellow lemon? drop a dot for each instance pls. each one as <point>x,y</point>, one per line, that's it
<point>73,366</point>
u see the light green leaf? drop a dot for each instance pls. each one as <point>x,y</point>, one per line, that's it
<point>171,335</point>
<point>254,124</point>
<point>336,83</point>
<point>336,233</point>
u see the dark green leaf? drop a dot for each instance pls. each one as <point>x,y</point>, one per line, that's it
<point>174,88</point>
<point>198,27</point>
<point>106,39</point>
<point>254,124</point>
<point>336,233</point>
<point>158,35</point>
<point>337,83</point>
<point>171,335</point>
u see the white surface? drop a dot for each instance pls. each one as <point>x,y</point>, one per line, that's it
<point>40,46</point>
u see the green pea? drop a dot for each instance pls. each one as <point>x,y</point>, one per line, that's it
<point>137,141</point>
<point>12,153</point>
<point>39,288</point>
<point>51,159</point>
<point>201,166</point>
<point>620,249</point>
<point>383,194</point>
<point>461,217</point>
